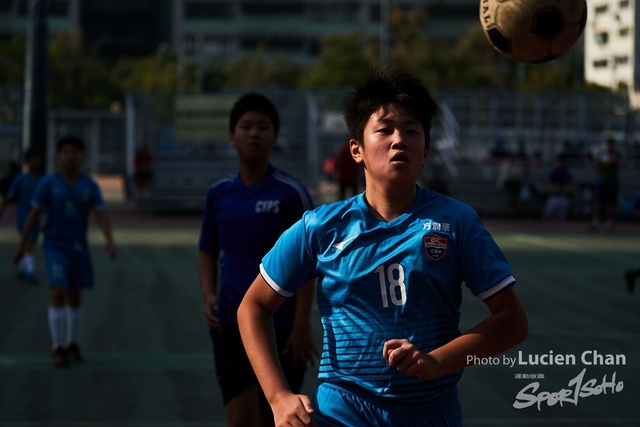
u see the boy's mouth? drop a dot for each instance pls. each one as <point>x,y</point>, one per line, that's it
<point>400,157</point>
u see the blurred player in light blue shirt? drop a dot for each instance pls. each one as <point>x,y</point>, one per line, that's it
<point>67,197</point>
<point>390,265</point>
<point>20,193</point>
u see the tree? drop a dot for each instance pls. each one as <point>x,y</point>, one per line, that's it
<point>78,79</point>
<point>260,69</point>
<point>153,73</point>
<point>12,60</point>
<point>343,60</point>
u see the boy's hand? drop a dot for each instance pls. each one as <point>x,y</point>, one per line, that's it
<point>407,358</point>
<point>210,310</point>
<point>293,410</point>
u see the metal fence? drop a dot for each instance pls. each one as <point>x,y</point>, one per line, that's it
<point>186,135</point>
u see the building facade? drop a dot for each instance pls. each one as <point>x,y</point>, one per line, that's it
<point>63,15</point>
<point>612,51</point>
<point>203,29</point>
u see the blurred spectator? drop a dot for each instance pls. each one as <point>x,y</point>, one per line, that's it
<point>607,185</point>
<point>21,192</point>
<point>511,176</point>
<point>142,168</point>
<point>7,179</point>
<point>559,189</point>
<point>499,151</point>
<point>348,171</point>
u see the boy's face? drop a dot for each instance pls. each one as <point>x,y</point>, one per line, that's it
<point>253,137</point>
<point>70,158</point>
<point>393,149</point>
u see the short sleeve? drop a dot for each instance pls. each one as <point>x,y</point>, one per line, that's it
<point>97,202</point>
<point>40,198</point>
<point>485,269</point>
<point>14,189</point>
<point>290,263</point>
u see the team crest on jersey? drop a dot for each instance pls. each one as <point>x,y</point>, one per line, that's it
<point>435,246</point>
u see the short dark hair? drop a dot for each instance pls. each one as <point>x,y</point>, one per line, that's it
<point>254,102</point>
<point>32,152</point>
<point>384,87</point>
<point>70,140</point>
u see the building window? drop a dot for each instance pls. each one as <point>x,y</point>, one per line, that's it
<point>602,9</point>
<point>334,11</point>
<point>622,60</point>
<point>273,43</point>
<point>600,63</point>
<point>214,45</point>
<point>624,4</point>
<point>189,44</point>
<point>624,32</point>
<point>272,8</point>
<point>5,5</point>
<point>208,10</point>
<point>58,8</point>
<point>55,8</point>
<point>623,87</point>
<point>602,38</point>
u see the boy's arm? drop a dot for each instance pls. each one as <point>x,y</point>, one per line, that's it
<point>505,328</point>
<point>255,319</point>
<point>301,341</point>
<point>30,223</point>
<point>105,226</point>
<point>208,276</point>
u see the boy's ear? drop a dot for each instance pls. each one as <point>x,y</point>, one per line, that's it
<point>230,138</point>
<point>356,151</point>
<point>426,156</point>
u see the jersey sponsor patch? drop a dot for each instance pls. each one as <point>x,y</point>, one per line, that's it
<point>435,246</point>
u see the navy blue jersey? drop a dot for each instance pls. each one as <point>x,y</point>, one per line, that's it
<point>388,280</point>
<point>240,225</point>
<point>22,190</point>
<point>67,206</point>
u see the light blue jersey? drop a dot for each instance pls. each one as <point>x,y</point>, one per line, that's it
<point>68,206</point>
<point>387,280</point>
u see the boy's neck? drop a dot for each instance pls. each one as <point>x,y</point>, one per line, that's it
<point>387,204</point>
<point>70,176</point>
<point>251,174</point>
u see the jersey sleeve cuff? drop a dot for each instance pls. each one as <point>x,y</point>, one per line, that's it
<point>496,288</point>
<point>273,284</point>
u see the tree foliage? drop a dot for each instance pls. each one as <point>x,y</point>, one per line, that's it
<point>12,57</point>
<point>343,59</point>
<point>77,77</point>
<point>261,70</point>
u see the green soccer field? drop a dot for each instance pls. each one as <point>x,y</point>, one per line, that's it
<point>149,361</point>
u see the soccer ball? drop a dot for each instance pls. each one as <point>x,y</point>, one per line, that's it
<point>533,31</point>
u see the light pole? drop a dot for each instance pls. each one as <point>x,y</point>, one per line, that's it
<point>34,120</point>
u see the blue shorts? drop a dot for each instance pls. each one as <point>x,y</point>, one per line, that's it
<point>337,406</point>
<point>68,264</point>
<point>234,370</point>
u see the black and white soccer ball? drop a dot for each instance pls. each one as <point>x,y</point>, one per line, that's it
<point>533,31</point>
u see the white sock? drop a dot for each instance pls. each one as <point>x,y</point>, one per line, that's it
<point>21,265</point>
<point>57,323</point>
<point>74,320</point>
<point>28,263</point>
